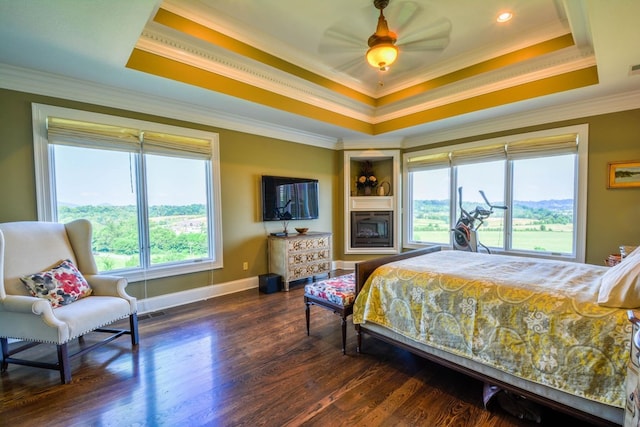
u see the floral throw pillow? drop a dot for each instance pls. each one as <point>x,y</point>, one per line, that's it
<point>61,285</point>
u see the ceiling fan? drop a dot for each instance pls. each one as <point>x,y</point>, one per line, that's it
<point>382,44</point>
<point>415,32</point>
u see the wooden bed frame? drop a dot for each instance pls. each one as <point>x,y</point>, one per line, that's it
<point>364,269</point>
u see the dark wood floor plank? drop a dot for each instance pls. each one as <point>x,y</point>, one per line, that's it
<point>245,360</point>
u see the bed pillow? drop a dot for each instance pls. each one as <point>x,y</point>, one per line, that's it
<point>632,251</point>
<point>61,285</point>
<point>620,285</point>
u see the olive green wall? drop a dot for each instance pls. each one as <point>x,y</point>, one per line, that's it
<point>243,159</point>
<point>611,214</point>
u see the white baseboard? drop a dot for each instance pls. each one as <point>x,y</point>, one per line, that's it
<point>345,265</point>
<point>175,299</point>
<point>149,305</point>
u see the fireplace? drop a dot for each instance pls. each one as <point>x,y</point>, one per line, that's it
<point>373,229</point>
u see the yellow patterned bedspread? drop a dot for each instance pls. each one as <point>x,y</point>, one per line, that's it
<point>536,319</point>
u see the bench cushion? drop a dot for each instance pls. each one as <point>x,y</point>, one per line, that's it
<point>340,290</point>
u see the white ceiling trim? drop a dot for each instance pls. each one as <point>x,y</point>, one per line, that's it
<point>557,63</point>
<point>39,83</point>
<point>199,13</point>
<point>170,44</point>
<point>46,84</point>
<point>476,57</point>
<point>253,73</point>
<point>576,110</point>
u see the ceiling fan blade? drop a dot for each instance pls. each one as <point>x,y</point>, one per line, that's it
<point>336,49</point>
<point>343,35</point>
<point>352,65</point>
<point>340,40</point>
<point>440,28</point>
<point>400,15</point>
<point>425,44</point>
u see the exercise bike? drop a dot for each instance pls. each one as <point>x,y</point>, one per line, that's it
<point>465,233</point>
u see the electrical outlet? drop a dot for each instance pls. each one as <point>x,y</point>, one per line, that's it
<point>245,265</point>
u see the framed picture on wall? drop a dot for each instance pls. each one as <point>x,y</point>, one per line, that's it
<point>624,174</point>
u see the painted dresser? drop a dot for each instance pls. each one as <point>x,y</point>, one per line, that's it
<point>298,256</point>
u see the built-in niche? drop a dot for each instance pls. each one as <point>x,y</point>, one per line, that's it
<point>371,217</point>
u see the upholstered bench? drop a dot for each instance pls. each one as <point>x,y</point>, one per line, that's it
<point>336,294</point>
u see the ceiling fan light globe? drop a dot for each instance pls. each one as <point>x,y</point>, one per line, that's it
<point>381,56</point>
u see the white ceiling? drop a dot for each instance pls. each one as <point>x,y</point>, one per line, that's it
<point>91,42</point>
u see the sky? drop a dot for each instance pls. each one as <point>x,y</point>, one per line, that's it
<point>551,178</point>
<point>108,177</point>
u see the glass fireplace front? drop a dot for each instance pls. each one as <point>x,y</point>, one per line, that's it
<point>372,229</point>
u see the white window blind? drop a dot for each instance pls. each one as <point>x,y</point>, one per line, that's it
<point>550,145</point>
<point>166,144</point>
<point>486,153</point>
<point>75,132</point>
<point>526,148</point>
<point>430,161</point>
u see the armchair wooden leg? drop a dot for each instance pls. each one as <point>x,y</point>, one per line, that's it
<point>133,327</point>
<point>5,353</point>
<point>64,364</point>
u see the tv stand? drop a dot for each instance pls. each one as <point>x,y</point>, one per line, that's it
<point>298,256</point>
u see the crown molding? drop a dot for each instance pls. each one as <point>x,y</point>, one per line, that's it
<point>48,84</point>
<point>569,111</point>
<point>202,14</point>
<point>160,41</point>
<point>467,59</point>
<point>553,64</point>
<point>368,144</point>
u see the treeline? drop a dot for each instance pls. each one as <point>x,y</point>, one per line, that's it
<point>175,232</point>
<point>557,212</point>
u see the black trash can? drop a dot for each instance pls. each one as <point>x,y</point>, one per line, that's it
<point>270,283</point>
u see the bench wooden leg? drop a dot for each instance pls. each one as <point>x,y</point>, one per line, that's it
<point>344,333</point>
<point>307,313</point>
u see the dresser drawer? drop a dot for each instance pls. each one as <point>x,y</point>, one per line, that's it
<point>297,258</point>
<point>299,244</point>
<point>307,270</point>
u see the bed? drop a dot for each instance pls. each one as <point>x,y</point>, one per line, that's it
<point>534,327</point>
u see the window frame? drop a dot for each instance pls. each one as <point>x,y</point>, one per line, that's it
<point>580,189</point>
<point>45,181</point>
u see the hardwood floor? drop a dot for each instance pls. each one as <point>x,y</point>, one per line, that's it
<point>245,360</point>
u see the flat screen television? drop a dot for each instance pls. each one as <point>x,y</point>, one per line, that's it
<point>285,199</point>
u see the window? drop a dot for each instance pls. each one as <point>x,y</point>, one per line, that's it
<point>487,177</point>
<point>430,210</point>
<point>151,191</point>
<point>540,177</point>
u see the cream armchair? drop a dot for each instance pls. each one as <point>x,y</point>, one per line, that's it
<point>30,247</point>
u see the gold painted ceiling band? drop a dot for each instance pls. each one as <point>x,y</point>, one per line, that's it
<point>209,35</point>
<point>477,69</point>
<point>201,32</point>
<point>560,83</point>
<point>160,66</point>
